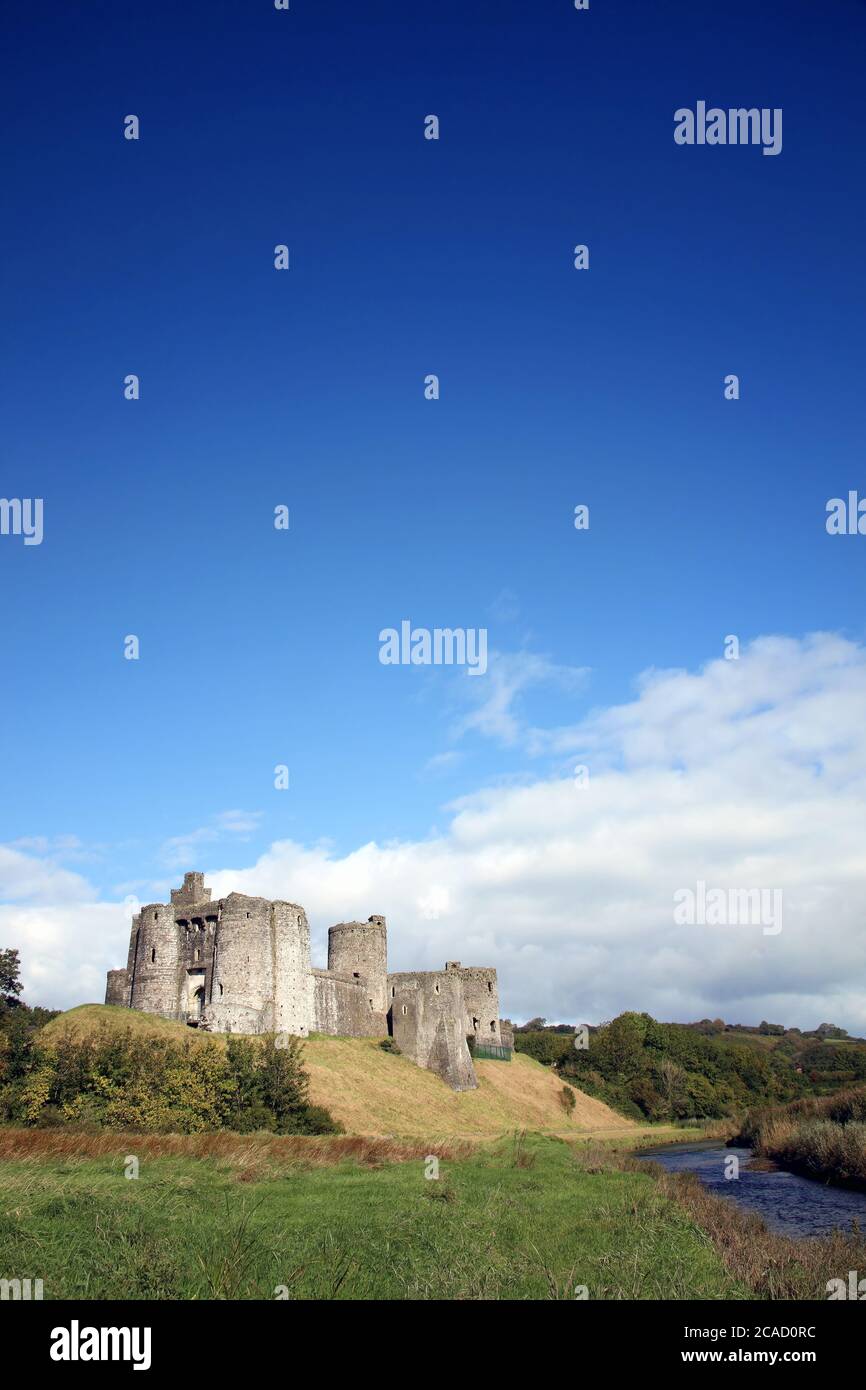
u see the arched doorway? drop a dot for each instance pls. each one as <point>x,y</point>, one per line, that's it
<point>195,1000</point>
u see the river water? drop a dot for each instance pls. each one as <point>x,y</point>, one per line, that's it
<point>790,1205</point>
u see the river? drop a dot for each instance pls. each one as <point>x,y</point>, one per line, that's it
<point>789,1204</point>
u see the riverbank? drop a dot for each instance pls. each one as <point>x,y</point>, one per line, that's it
<point>821,1138</point>
<point>770,1265</point>
<point>524,1217</point>
<point>788,1203</point>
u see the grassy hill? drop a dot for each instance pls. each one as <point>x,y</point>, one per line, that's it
<point>371,1091</point>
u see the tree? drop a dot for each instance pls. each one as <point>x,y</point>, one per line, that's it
<point>546,1047</point>
<point>830,1030</point>
<point>10,972</point>
<point>672,1084</point>
<point>285,1084</point>
<point>618,1048</point>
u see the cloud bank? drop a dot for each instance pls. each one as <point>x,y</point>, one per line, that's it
<point>746,774</point>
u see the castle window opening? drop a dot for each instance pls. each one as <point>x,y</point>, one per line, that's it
<point>489,986</point>
<point>197,954</point>
<point>493,1025</point>
<point>393,991</point>
<point>404,1008</point>
<point>436,988</point>
<point>475,1024</point>
<point>153,953</point>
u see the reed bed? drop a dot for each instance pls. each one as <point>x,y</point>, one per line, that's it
<point>236,1150</point>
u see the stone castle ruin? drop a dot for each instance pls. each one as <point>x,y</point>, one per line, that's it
<point>242,965</point>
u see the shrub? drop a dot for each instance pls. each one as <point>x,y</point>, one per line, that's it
<point>253,1118</point>
<point>156,1085</point>
<point>822,1136</point>
<point>313,1119</point>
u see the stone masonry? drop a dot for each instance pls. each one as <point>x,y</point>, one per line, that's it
<point>242,965</point>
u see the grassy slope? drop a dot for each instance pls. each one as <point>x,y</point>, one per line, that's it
<point>81,1021</point>
<point>375,1092</point>
<point>511,1221</point>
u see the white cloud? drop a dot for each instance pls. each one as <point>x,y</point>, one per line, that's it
<point>497,698</point>
<point>440,762</point>
<point>177,851</point>
<point>66,949</point>
<point>744,774</point>
<point>23,877</point>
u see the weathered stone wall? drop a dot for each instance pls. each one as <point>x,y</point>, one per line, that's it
<point>342,1007</point>
<point>293,989</point>
<point>506,1032</point>
<point>241,964</point>
<point>193,891</point>
<point>427,1016</point>
<point>117,988</point>
<point>155,975</point>
<point>361,948</point>
<point>260,980</point>
<point>481,993</point>
<point>196,925</point>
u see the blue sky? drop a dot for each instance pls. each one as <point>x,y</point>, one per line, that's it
<point>305,388</point>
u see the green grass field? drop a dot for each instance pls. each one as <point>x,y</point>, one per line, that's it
<point>520,1219</point>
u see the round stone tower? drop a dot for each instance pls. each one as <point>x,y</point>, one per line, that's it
<point>156,961</point>
<point>361,948</point>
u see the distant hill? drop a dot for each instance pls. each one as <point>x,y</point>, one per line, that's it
<point>709,1069</point>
